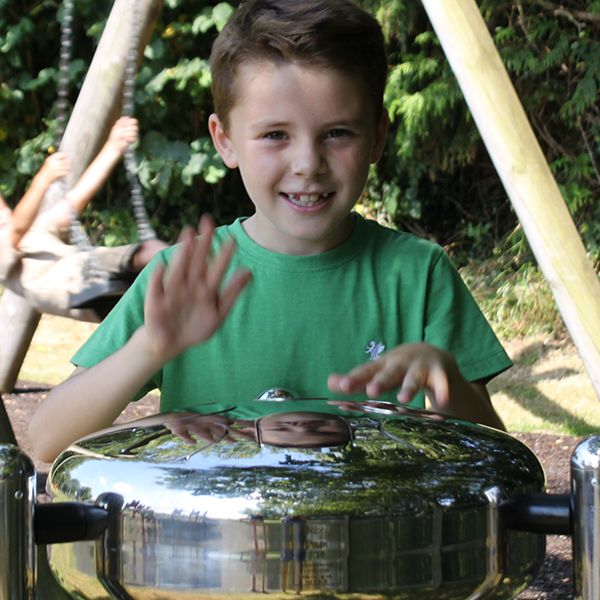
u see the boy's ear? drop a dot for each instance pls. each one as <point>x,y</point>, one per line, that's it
<point>381,130</point>
<point>221,141</point>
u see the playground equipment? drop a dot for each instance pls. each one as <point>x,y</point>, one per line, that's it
<point>99,287</point>
<point>382,504</point>
<point>94,111</point>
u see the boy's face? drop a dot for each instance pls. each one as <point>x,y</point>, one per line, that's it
<point>303,138</point>
<point>304,429</point>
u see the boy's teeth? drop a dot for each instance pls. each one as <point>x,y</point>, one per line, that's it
<point>307,199</point>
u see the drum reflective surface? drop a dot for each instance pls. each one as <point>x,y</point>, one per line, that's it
<point>298,498</point>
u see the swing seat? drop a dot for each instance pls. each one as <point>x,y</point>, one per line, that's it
<point>100,296</point>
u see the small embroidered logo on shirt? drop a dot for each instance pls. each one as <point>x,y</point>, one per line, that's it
<point>374,349</point>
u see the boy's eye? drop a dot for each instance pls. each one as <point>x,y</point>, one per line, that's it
<point>274,135</point>
<point>338,133</point>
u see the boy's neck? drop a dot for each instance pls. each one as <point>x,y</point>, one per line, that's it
<point>298,247</point>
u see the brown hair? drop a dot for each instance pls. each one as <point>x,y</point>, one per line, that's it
<point>321,33</point>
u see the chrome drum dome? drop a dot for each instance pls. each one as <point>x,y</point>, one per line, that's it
<point>387,504</point>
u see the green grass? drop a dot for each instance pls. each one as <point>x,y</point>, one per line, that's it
<point>54,342</point>
<point>546,390</point>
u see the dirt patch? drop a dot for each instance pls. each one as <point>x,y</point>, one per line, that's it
<point>554,581</point>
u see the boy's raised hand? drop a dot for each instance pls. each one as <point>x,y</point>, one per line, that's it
<point>186,304</point>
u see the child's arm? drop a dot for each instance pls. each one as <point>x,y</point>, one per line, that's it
<point>415,367</point>
<point>26,211</point>
<point>123,133</point>
<point>184,306</point>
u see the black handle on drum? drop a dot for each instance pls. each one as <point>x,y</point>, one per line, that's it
<point>68,522</point>
<point>539,513</point>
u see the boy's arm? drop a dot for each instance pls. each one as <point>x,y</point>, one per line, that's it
<point>122,133</point>
<point>26,211</point>
<point>414,367</point>
<point>184,306</point>
<point>91,399</point>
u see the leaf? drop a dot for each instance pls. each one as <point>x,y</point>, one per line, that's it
<point>215,172</point>
<point>221,14</point>
<point>162,180</point>
<point>194,167</point>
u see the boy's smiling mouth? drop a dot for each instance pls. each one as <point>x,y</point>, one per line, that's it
<point>307,200</point>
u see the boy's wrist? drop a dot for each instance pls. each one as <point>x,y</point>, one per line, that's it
<point>148,351</point>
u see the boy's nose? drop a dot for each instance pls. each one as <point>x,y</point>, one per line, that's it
<point>308,160</point>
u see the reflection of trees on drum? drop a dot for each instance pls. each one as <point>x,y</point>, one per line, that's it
<point>366,450</point>
<point>431,461</point>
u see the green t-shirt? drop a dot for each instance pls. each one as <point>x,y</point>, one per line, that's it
<point>304,317</point>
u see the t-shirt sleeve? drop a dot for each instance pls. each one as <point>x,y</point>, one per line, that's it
<point>120,324</point>
<point>455,322</point>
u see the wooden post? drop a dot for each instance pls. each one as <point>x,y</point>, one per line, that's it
<point>97,104</point>
<point>523,170</point>
<point>18,322</point>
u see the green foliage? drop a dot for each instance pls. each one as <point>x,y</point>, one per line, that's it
<point>435,178</point>
<point>516,299</point>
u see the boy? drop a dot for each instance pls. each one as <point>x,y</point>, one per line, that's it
<point>298,88</point>
<point>40,263</point>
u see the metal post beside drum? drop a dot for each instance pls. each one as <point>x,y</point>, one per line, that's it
<point>17,548</point>
<point>585,480</point>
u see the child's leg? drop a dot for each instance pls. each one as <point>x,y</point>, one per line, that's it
<point>128,260</point>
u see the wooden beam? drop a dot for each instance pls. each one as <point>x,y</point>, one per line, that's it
<point>523,169</point>
<point>18,322</point>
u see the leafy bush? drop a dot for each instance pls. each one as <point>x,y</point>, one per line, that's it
<point>516,300</point>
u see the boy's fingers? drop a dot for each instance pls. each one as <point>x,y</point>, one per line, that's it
<point>354,380</point>
<point>202,249</point>
<point>155,283</point>
<point>176,274</point>
<point>206,224</point>
<point>440,386</point>
<point>216,271</point>
<point>414,379</point>
<point>232,291</point>
<point>390,375</point>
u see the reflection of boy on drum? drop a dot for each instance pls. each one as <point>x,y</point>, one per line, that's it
<point>296,294</point>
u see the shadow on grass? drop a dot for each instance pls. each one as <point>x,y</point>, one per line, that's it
<point>527,395</point>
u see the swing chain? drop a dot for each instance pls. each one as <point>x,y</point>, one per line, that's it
<point>145,230</point>
<point>77,235</point>
<point>66,45</point>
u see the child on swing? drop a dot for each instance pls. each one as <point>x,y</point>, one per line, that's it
<point>304,294</point>
<point>36,258</point>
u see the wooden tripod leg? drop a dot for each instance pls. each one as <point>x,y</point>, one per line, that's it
<point>18,322</point>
